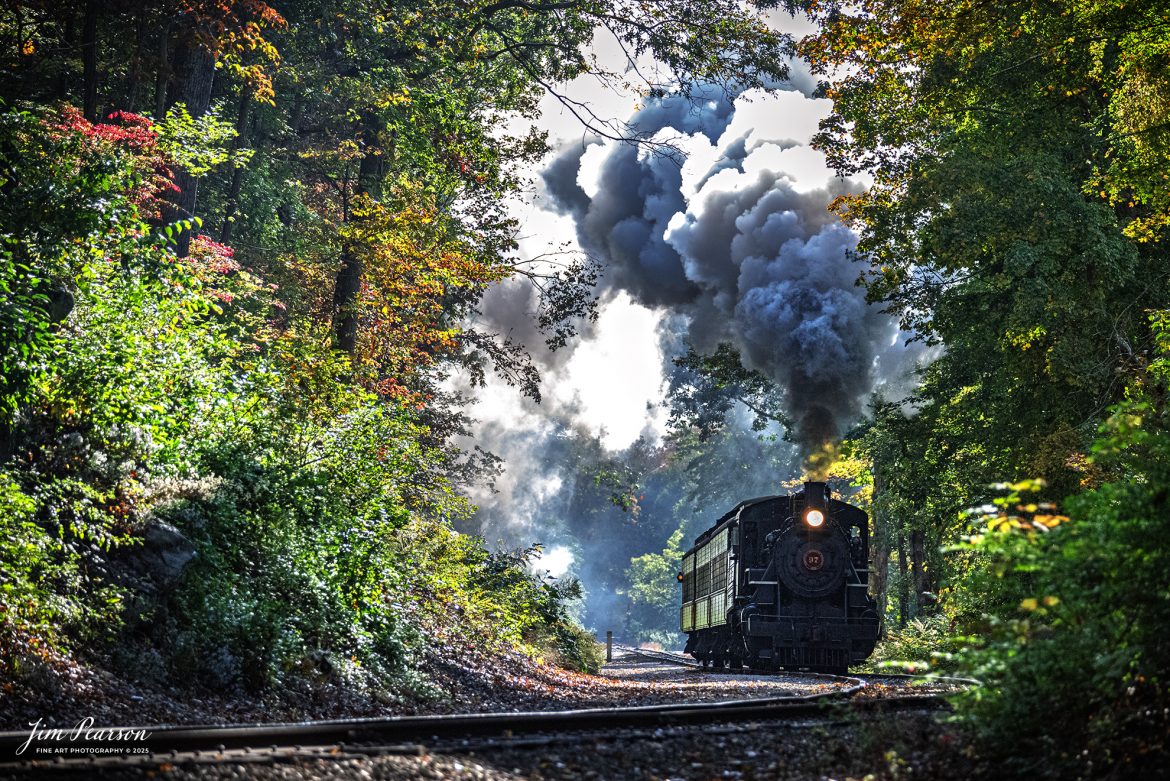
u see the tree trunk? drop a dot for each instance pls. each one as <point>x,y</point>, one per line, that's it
<point>349,276</point>
<point>194,76</point>
<point>163,77</point>
<point>237,183</point>
<point>89,61</point>
<point>918,568</point>
<point>903,582</point>
<point>134,77</point>
<point>879,550</point>
<point>7,442</point>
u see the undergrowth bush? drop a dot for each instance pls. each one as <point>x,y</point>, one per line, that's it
<point>454,586</point>
<point>926,644</point>
<point>180,392</point>
<point>1075,672</point>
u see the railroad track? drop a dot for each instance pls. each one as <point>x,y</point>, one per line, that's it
<point>685,661</point>
<point>161,746</point>
<point>856,682</point>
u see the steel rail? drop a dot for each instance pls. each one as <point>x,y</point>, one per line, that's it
<point>862,678</point>
<point>853,684</point>
<point>350,734</point>
<point>183,738</point>
<point>164,743</point>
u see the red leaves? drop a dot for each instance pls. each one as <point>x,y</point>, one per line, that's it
<point>213,256</point>
<point>133,131</point>
<point>125,133</point>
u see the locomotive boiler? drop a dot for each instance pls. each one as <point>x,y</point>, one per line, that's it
<point>781,582</point>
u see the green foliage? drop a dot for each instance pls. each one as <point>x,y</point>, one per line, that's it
<point>652,576</point>
<point>30,557</point>
<point>1018,152</point>
<point>706,389</point>
<point>653,592</point>
<point>1073,642</point>
<point>294,540</point>
<point>25,334</point>
<point>926,644</point>
<point>70,228</point>
<point>363,174</point>
<point>199,144</point>
<point>499,601</point>
<point>170,394</point>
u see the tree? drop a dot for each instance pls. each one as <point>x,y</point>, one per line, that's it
<point>705,390</point>
<point>654,592</point>
<point>1018,152</point>
<point>988,130</point>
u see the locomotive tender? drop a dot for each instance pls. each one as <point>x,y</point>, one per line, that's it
<point>781,581</point>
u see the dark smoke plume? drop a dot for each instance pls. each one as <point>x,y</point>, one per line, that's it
<point>736,241</point>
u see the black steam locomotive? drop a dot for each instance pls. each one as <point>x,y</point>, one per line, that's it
<point>781,582</point>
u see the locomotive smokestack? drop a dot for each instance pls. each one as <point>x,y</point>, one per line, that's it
<point>816,504</point>
<point>816,493</point>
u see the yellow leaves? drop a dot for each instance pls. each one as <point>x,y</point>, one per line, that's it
<point>1009,516</point>
<point>28,48</point>
<point>1032,604</point>
<point>413,255</point>
<point>399,98</point>
<point>1030,485</point>
<point>1048,521</point>
<point>820,463</point>
<point>236,35</point>
<point>1025,338</point>
<point>1005,523</point>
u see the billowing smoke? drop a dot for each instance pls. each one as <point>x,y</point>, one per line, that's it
<point>740,241</point>
<point>737,245</point>
<point>641,191</point>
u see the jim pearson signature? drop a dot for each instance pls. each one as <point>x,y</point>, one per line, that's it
<point>84,730</point>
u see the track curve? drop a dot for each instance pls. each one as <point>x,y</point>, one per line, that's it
<point>404,734</point>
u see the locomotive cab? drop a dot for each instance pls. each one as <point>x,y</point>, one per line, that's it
<point>782,581</point>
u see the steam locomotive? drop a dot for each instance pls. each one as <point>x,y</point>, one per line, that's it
<point>781,582</point>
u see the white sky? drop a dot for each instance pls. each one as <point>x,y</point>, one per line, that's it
<point>617,374</point>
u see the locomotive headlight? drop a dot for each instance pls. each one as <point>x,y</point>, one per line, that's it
<point>814,518</point>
